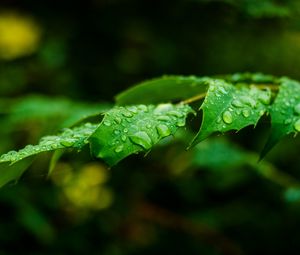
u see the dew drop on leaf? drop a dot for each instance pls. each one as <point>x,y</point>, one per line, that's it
<point>123,138</point>
<point>107,123</point>
<point>163,118</point>
<point>141,138</point>
<point>297,109</point>
<point>180,123</point>
<point>119,148</point>
<point>248,101</point>
<point>127,114</point>
<point>237,103</point>
<point>227,117</point>
<point>118,120</point>
<point>246,113</point>
<point>175,114</point>
<point>67,143</point>
<point>163,130</point>
<point>288,121</point>
<point>265,98</point>
<point>297,125</point>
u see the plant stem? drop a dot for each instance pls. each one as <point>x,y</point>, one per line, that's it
<point>194,99</point>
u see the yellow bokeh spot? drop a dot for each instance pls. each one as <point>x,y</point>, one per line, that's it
<point>84,188</point>
<point>19,35</point>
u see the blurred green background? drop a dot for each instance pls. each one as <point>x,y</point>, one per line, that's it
<point>60,60</point>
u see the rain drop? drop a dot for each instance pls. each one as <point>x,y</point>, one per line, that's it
<point>133,109</point>
<point>297,125</point>
<point>67,143</point>
<point>297,109</point>
<point>180,123</point>
<point>163,118</point>
<point>123,138</point>
<point>107,123</point>
<point>265,98</point>
<point>143,108</point>
<point>227,117</point>
<point>246,113</point>
<point>127,114</point>
<point>222,90</point>
<point>118,120</point>
<point>248,101</point>
<point>163,130</point>
<point>142,139</point>
<point>119,149</point>
<point>175,114</point>
<point>116,132</point>
<point>288,121</point>
<point>237,103</point>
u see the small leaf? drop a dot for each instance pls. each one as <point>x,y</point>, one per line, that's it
<point>128,130</point>
<point>285,113</point>
<point>161,90</point>
<point>227,107</point>
<point>70,138</point>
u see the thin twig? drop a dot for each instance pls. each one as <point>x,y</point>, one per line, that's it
<point>194,99</point>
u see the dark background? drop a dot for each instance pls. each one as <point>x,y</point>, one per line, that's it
<point>217,200</point>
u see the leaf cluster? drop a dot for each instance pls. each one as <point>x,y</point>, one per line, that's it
<point>147,113</point>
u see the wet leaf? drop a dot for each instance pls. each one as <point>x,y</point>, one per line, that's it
<point>128,130</point>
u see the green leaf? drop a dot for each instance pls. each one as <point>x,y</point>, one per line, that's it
<point>70,138</point>
<point>10,173</point>
<point>228,107</point>
<point>161,90</point>
<point>128,130</point>
<point>285,113</point>
<point>61,111</point>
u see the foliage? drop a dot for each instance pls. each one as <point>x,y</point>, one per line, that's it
<point>226,106</point>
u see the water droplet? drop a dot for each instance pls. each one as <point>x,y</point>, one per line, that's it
<point>175,114</point>
<point>261,112</point>
<point>148,126</point>
<point>29,147</point>
<point>163,118</point>
<point>119,148</point>
<point>162,108</point>
<point>142,139</point>
<point>118,120</point>
<point>127,114</point>
<point>227,117</point>
<point>133,109</point>
<point>163,130</point>
<point>180,123</point>
<point>107,123</point>
<point>297,109</point>
<point>143,108</point>
<point>265,98</point>
<point>116,132</point>
<point>223,90</point>
<point>288,121</point>
<point>297,125</point>
<point>125,130</point>
<point>67,143</point>
<point>246,113</point>
<point>123,138</point>
<point>248,101</point>
<point>237,103</point>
